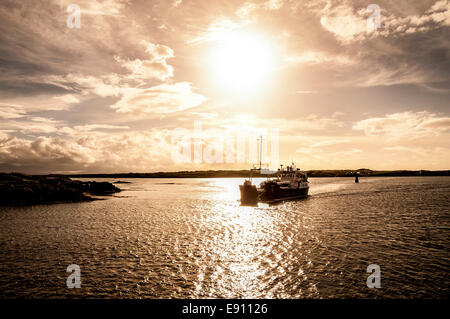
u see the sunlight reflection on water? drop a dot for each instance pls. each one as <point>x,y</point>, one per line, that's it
<point>184,238</point>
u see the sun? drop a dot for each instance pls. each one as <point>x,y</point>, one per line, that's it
<point>241,62</point>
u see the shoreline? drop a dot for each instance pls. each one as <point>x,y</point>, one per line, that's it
<point>246,173</point>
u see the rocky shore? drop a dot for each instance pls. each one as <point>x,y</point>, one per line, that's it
<point>18,189</point>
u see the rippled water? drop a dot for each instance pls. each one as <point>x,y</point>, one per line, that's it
<point>189,238</point>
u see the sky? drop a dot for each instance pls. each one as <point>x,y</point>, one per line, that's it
<point>90,86</point>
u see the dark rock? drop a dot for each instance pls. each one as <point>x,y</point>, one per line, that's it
<point>21,189</point>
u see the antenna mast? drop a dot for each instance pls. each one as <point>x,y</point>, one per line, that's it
<point>260,151</point>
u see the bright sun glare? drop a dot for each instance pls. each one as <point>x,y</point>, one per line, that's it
<point>241,61</point>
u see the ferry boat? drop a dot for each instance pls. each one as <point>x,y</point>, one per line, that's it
<point>289,183</point>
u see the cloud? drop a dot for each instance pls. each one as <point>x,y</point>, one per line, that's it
<point>437,16</point>
<point>158,52</point>
<point>20,154</point>
<point>343,22</point>
<point>350,23</point>
<point>328,143</point>
<point>311,122</point>
<point>43,59</point>
<point>273,4</point>
<point>350,56</point>
<point>161,99</point>
<point>154,67</point>
<point>146,69</point>
<point>177,3</point>
<point>14,107</point>
<point>306,92</point>
<point>97,7</point>
<point>218,30</point>
<point>8,111</point>
<point>245,123</point>
<point>33,125</point>
<point>311,57</point>
<point>310,146</point>
<point>134,151</point>
<point>115,148</point>
<point>406,124</point>
<point>420,151</point>
<point>68,99</point>
<point>104,86</point>
<point>440,123</point>
<point>91,127</point>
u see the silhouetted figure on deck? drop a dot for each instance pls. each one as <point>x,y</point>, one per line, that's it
<point>356,177</point>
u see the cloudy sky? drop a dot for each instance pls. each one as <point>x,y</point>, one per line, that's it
<point>120,92</point>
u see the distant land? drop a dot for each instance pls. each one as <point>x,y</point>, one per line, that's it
<point>363,172</point>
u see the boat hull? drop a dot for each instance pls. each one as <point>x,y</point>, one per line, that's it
<point>249,194</point>
<point>272,192</point>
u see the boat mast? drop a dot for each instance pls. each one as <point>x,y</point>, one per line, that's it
<point>260,151</point>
